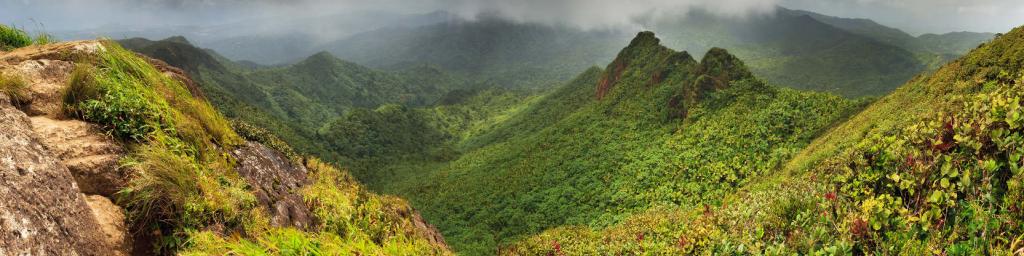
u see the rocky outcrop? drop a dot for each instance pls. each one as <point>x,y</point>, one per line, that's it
<point>276,181</point>
<point>91,155</point>
<point>111,219</point>
<point>41,211</point>
<point>56,174</point>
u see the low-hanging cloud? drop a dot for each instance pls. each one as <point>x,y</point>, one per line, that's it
<point>80,14</point>
<point>917,16</point>
<point>604,13</point>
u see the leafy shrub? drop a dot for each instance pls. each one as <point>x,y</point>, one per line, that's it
<point>949,182</point>
<point>354,222</point>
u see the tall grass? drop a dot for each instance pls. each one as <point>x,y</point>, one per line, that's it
<point>181,180</point>
<point>11,38</point>
<point>81,87</point>
<point>15,88</point>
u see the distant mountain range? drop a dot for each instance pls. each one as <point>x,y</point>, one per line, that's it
<point>805,50</point>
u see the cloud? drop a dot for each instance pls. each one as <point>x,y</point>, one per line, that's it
<point>603,13</point>
<point>925,16</point>
<point>913,15</point>
<point>582,13</point>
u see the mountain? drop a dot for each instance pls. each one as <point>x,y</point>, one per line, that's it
<point>490,48</point>
<point>655,127</point>
<point>801,49</point>
<point>269,40</point>
<point>954,43</point>
<point>932,168</point>
<point>932,49</point>
<point>296,101</point>
<point>108,152</point>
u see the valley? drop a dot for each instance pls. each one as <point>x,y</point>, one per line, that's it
<point>779,132</point>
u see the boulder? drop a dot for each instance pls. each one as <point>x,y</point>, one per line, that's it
<point>276,181</point>
<point>41,211</point>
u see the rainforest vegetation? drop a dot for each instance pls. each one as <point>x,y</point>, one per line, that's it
<point>795,133</point>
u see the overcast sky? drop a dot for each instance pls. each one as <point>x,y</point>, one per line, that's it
<point>914,16</point>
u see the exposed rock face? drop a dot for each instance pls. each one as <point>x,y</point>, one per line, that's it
<point>111,219</point>
<point>276,182</point>
<point>41,211</point>
<point>47,79</point>
<point>422,228</point>
<point>46,164</point>
<point>90,154</point>
<point>65,51</point>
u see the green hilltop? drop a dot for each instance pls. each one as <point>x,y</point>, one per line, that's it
<point>655,127</point>
<point>932,168</point>
<point>659,153</point>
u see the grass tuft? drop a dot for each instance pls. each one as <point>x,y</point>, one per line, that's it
<point>15,88</point>
<point>11,38</point>
<point>81,87</point>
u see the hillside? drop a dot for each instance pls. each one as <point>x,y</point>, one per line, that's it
<point>954,43</point>
<point>653,128</point>
<point>491,49</point>
<point>790,48</point>
<point>111,153</point>
<point>297,101</point>
<point>932,168</point>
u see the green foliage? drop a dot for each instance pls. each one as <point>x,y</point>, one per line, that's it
<point>573,159</point>
<point>298,102</point>
<point>81,87</point>
<point>930,169</point>
<point>354,221</point>
<point>267,138</point>
<point>950,183</point>
<point>388,130</point>
<point>11,37</point>
<point>14,88</point>
<point>182,181</point>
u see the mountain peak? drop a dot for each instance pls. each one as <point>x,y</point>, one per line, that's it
<point>322,58</point>
<point>720,63</point>
<point>322,55</point>
<point>177,39</point>
<point>644,38</point>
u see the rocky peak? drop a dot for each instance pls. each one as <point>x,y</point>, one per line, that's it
<point>644,38</point>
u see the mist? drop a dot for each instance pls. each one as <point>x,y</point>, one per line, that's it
<point>914,16</point>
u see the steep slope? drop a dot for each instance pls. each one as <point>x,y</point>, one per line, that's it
<point>799,51</point>
<point>932,168</point>
<point>296,101</point>
<point>111,153</point>
<point>955,43</point>
<point>653,128</point>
